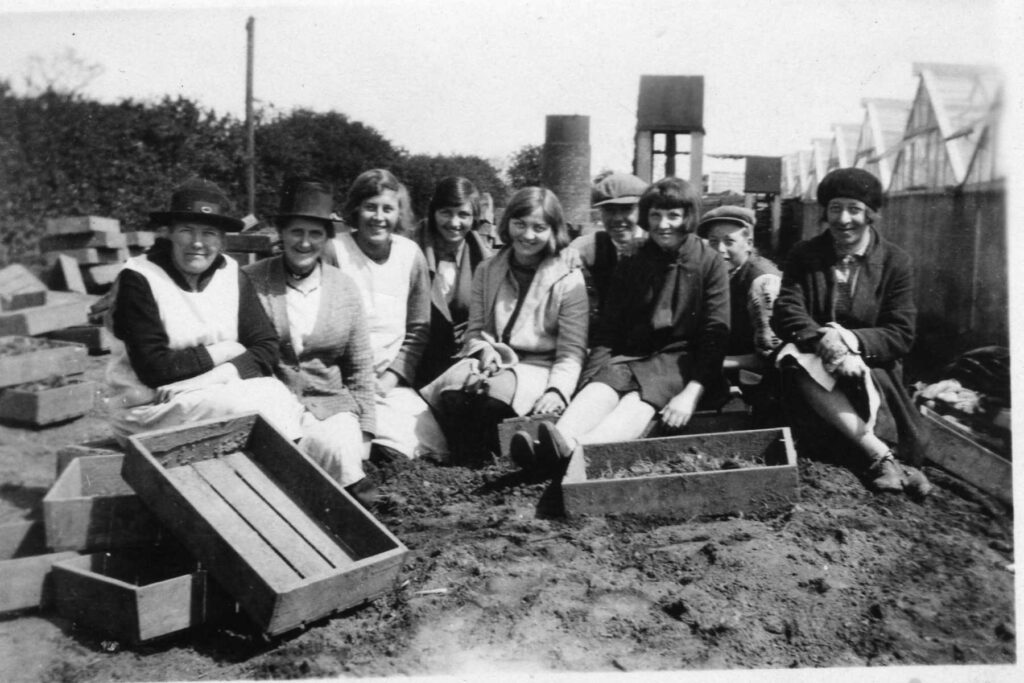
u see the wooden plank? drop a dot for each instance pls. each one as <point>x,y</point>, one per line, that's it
<point>70,225</point>
<point>85,240</point>
<point>25,359</point>
<point>62,309</point>
<point>68,274</point>
<point>98,339</point>
<point>244,258</point>
<point>87,598</point>
<point>26,581</point>
<point>967,459</point>
<point>295,516</point>
<point>176,446</point>
<point>86,257</point>
<point>19,288</point>
<point>47,406</point>
<point>98,277</point>
<point>235,531</point>
<point>264,520</point>
<point>257,242</point>
<point>142,238</point>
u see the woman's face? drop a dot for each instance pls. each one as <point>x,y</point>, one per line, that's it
<point>194,246</point>
<point>667,227</point>
<point>847,221</point>
<point>378,218</point>
<point>303,240</point>
<point>732,244</point>
<point>453,222</point>
<point>530,236</point>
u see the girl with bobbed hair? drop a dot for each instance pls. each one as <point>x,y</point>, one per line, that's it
<point>391,274</point>
<point>453,250</point>
<point>659,345</point>
<point>528,314</point>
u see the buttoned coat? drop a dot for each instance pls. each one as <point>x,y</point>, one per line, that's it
<point>882,316</point>
<point>334,372</point>
<point>551,329</point>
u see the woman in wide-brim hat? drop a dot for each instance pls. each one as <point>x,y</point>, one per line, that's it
<point>196,342</point>
<point>846,315</point>
<point>325,352</point>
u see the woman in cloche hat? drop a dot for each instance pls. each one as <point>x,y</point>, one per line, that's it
<point>196,342</point>
<point>326,359</point>
<point>846,316</point>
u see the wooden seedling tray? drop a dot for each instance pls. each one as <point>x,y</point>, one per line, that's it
<point>766,480</point>
<point>954,451</point>
<point>90,507</point>
<point>25,567</point>
<point>135,596</point>
<point>286,541</point>
<point>61,309</point>
<point>98,339</point>
<point>28,359</point>
<point>41,406</point>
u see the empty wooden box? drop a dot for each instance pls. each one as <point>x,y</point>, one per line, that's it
<point>286,541</point>
<point>90,507</point>
<point>25,581</point>
<point>40,404</point>
<point>648,476</point>
<point>137,595</point>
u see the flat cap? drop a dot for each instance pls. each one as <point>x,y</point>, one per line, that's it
<point>617,188</point>
<point>741,216</point>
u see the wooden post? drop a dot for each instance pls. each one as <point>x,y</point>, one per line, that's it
<point>697,160</point>
<point>250,136</point>
<point>643,164</point>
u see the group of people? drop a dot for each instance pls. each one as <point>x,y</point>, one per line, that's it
<point>371,338</point>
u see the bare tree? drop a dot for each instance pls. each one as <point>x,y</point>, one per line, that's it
<point>64,72</point>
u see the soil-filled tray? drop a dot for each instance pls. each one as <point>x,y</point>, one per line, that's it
<point>286,541</point>
<point>700,474</point>
<point>46,402</point>
<point>90,507</point>
<point>30,359</point>
<point>135,596</point>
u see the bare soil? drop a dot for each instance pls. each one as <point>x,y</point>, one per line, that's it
<point>499,580</point>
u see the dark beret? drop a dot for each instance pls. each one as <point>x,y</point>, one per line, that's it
<point>851,183</point>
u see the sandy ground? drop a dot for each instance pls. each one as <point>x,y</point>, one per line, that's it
<point>846,578</point>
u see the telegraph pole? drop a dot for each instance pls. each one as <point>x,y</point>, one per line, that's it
<point>250,127</point>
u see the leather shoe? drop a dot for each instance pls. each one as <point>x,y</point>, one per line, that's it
<point>554,450</point>
<point>884,475</point>
<point>915,483</point>
<point>520,449</point>
<point>364,492</point>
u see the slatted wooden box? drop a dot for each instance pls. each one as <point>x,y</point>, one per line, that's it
<point>25,581</point>
<point>39,405</point>
<point>90,507</point>
<point>765,478</point>
<point>286,541</point>
<point>136,596</point>
<point>29,359</point>
<point>955,451</point>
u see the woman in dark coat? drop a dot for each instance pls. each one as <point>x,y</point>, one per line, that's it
<point>453,249</point>
<point>846,315</point>
<point>660,343</point>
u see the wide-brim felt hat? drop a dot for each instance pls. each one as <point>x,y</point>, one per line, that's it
<point>851,183</point>
<point>306,198</point>
<point>617,188</point>
<point>198,201</point>
<point>739,215</point>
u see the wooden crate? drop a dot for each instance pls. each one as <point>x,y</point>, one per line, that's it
<point>285,540</point>
<point>73,225</point>
<point>27,359</point>
<point>766,481</point>
<point>136,596</point>
<point>19,289</point>
<point>90,507</point>
<point>99,447</point>
<point>954,451</point>
<point>25,567</point>
<point>96,338</point>
<point>85,240</point>
<point>61,310</point>
<point>42,406</point>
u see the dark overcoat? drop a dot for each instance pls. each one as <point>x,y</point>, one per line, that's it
<point>882,315</point>
<point>693,348</point>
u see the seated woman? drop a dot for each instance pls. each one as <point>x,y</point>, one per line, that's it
<point>528,313</point>
<point>846,316</point>
<point>325,349</point>
<point>660,342</point>
<point>390,274</point>
<point>453,249</point>
<point>197,343</point>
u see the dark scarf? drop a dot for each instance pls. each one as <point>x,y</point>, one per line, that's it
<point>665,282</point>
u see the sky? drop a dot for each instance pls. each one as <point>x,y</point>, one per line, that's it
<point>472,77</point>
